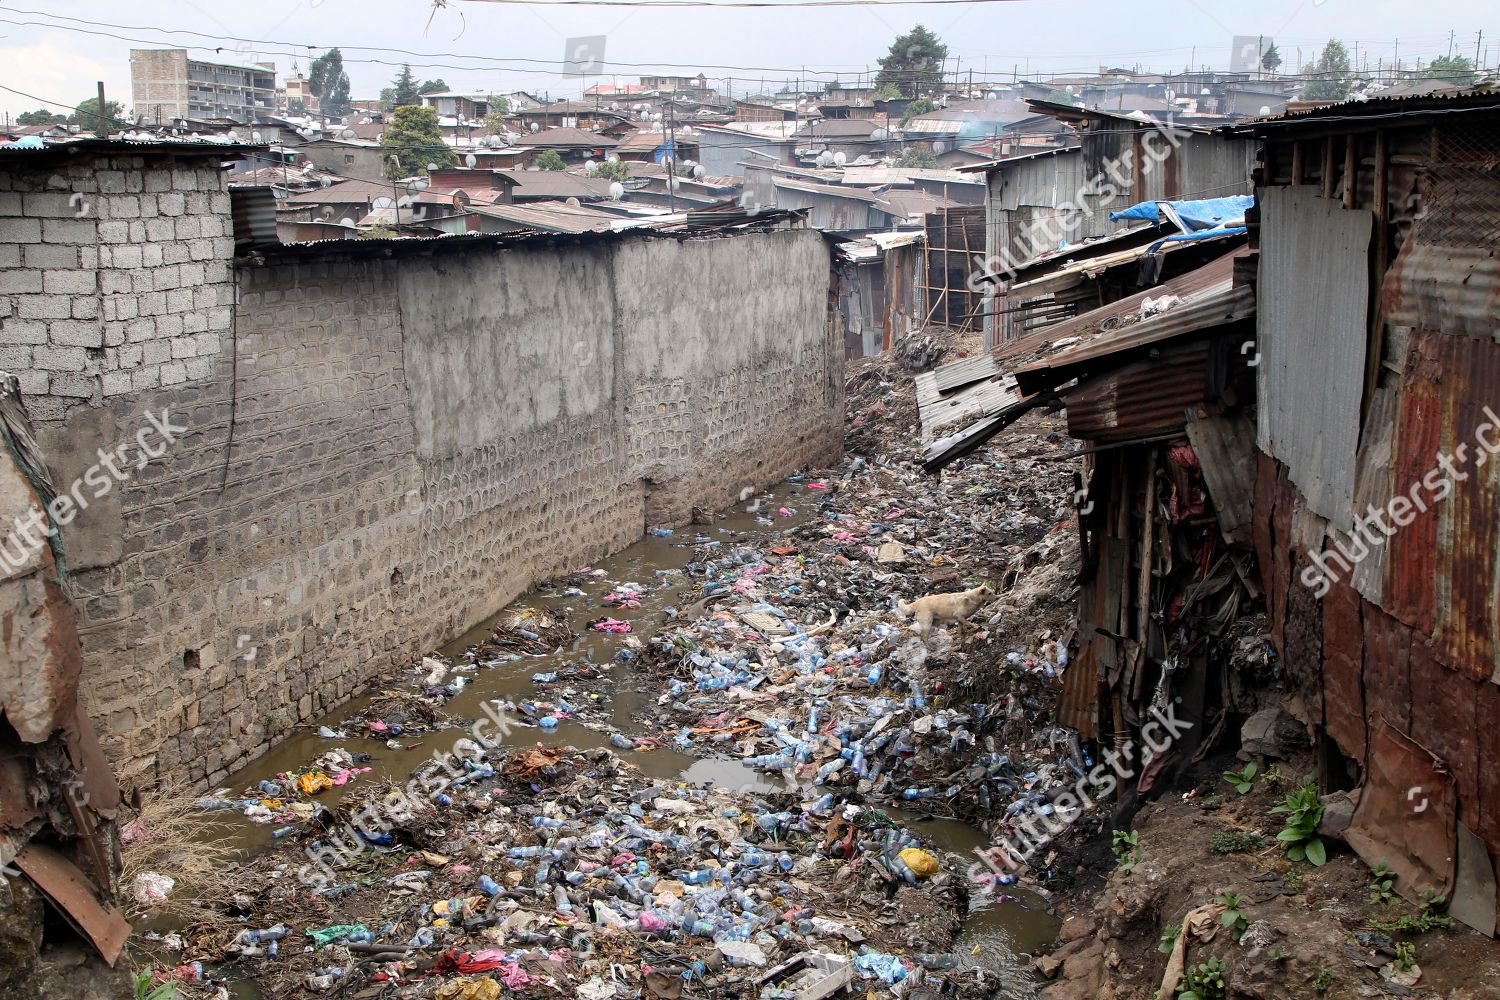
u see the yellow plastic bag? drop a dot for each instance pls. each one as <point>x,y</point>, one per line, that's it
<point>920,862</point>
<point>313,782</point>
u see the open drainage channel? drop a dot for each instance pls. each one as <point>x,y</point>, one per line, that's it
<point>996,937</point>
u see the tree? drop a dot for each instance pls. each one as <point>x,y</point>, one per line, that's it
<point>917,156</point>
<point>329,83</point>
<point>413,141</point>
<point>914,64</point>
<point>41,116</point>
<point>613,170</point>
<point>832,87</point>
<point>550,160</point>
<point>1455,69</point>
<point>916,108</point>
<point>1329,78</point>
<point>388,98</point>
<point>494,122</point>
<point>405,87</point>
<point>433,87</point>
<point>86,115</point>
<point>1270,60</point>
<point>887,92</point>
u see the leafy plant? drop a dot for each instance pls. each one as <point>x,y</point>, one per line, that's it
<point>1381,884</point>
<point>1232,918</point>
<point>1236,842</point>
<point>1406,956</point>
<point>1273,776</point>
<point>1420,922</point>
<point>1303,812</point>
<point>1323,981</point>
<point>1127,855</point>
<point>1244,779</point>
<point>1168,939</point>
<point>1293,881</point>
<point>1204,981</point>
<point>550,159</point>
<point>143,990</point>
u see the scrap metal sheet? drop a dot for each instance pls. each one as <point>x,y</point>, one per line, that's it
<point>76,898</point>
<point>1343,664</point>
<point>1314,291</point>
<point>1407,815</point>
<point>1387,669</point>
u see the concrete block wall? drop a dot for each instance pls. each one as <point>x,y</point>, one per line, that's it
<point>384,451</point>
<point>114,276</point>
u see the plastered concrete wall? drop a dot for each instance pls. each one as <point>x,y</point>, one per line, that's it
<point>387,450</point>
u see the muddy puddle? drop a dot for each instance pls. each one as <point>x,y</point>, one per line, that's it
<point>997,937</point>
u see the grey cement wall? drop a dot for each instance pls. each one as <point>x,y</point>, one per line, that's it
<point>387,450</point>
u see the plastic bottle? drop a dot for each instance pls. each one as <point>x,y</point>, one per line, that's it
<point>488,886</point>
<point>275,933</point>
<point>918,793</point>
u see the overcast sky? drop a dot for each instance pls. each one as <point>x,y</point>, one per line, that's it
<point>61,63</point>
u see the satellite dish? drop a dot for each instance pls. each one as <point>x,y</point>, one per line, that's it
<point>616,191</point>
<point>612,158</point>
<point>470,159</point>
<point>1265,110</point>
<point>326,181</point>
<point>839,159</point>
<point>535,127</point>
<point>383,203</point>
<point>571,203</point>
<point>404,202</point>
<point>346,221</point>
<point>256,136</point>
<point>699,171</point>
<point>419,184</point>
<point>590,167</point>
<point>433,166</point>
<point>824,159</point>
<point>348,133</point>
<point>233,135</point>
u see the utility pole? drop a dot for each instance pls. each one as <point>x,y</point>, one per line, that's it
<point>1477,42</point>
<point>1450,43</point>
<point>671,157</point>
<point>103,128</point>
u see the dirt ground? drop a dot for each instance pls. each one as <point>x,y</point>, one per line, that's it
<point>1310,931</point>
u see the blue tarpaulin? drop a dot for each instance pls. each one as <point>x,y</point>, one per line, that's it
<point>1210,213</point>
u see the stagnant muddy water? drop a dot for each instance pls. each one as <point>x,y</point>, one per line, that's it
<point>996,937</point>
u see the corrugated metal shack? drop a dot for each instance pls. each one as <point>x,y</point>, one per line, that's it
<point>1038,200</point>
<point>1376,512</point>
<point>879,287</point>
<point>1156,386</point>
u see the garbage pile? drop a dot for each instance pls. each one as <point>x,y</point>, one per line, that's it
<point>553,871</point>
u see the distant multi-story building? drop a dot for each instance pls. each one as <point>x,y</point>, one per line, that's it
<point>298,93</point>
<point>166,84</point>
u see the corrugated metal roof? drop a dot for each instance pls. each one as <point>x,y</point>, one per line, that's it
<point>1210,298</point>
<point>1373,108</point>
<point>1141,399</point>
<point>1314,287</point>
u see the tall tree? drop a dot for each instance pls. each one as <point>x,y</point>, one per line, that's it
<point>41,116</point>
<point>1270,60</point>
<point>413,140</point>
<point>915,63</point>
<point>1455,69</point>
<point>550,159</point>
<point>433,86</point>
<point>329,83</point>
<point>405,87</point>
<point>86,115</point>
<point>1330,77</point>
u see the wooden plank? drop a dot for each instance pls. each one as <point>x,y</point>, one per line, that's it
<point>1225,447</point>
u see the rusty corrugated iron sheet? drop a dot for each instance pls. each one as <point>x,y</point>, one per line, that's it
<point>1387,669</point>
<point>1141,399</point>
<point>1343,664</point>
<point>1453,289</point>
<point>1487,710</point>
<point>1419,845</point>
<point>1443,720</point>
<point>1442,570</point>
